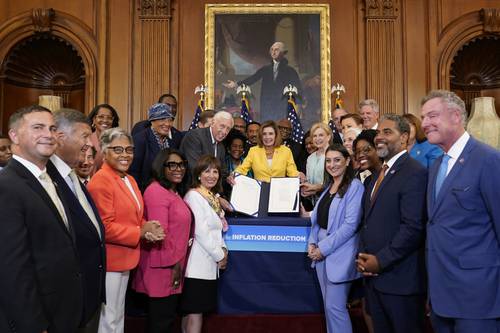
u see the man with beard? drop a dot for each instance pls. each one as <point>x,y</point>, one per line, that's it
<point>392,234</point>
<point>275,77</point>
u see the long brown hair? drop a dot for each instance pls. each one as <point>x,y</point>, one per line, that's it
<point>349,171</point>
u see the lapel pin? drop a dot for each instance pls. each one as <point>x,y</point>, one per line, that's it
<point>392,172</point>
<point>462,160</point>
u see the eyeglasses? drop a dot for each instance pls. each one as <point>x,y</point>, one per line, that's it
<point>172,166</point>
<point>120,149</point>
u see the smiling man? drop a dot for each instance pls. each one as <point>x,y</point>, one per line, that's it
<point>73,141</point>
<point>392,234</point>
<point>208,141</point>
<point>41,287</point>
<point>369,110</point>
<point>463,232</point>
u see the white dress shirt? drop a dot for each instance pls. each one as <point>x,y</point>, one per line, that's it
<point>457,149</point>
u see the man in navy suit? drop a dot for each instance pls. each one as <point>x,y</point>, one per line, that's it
<point>73,140</point>
<point>463,232</point>
<point>392,234</point>
<point>41,279</point>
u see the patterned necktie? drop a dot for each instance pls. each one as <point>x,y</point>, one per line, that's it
<point>82,198</point>
<point>441,175</point>
<point>380,178</point>
<point>52,192</point>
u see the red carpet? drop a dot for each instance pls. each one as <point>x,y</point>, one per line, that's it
<point>310,323</point>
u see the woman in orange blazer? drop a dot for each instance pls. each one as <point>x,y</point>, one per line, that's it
<point>121,208</point>
<point>269,158</point>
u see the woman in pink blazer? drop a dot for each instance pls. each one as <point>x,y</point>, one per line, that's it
<point>121,208</point>
<point>161,265</point>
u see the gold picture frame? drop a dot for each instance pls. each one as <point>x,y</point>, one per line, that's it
<point>319,78</point>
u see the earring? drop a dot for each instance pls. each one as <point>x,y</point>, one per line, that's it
<point>199,178</point>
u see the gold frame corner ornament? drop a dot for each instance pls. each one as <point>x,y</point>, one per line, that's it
<point>323,10</point>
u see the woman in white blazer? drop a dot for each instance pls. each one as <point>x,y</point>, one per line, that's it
<point>333,242</point>
<point>208,252</point>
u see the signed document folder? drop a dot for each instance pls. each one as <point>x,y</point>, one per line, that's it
<point>257,199</point>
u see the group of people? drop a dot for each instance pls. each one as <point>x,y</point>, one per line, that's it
<point>87,206</point>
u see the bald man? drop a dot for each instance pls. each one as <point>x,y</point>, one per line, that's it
<point>275,77</point>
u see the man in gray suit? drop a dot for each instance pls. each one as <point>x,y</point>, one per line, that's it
<point>208,141</point>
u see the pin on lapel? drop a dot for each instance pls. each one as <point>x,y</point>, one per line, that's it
<point>462,160</point>
<point>392,172</point>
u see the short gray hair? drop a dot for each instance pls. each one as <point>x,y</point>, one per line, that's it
<point>371,103</point>
<point>113,133</point>
<point>219,115</point>
<point>402,124</point>
<point>452,101</point>
<point>65,119</point>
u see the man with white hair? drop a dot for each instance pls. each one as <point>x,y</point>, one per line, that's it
<point>370,112</point>
<point>207,141</point>
<point>275,77</point>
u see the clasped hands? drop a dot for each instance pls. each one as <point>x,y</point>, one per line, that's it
<point>367,264</point>
<point>152,231</point>
<point>314,253</point>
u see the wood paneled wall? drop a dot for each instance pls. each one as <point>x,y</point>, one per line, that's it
<point>393,51</point>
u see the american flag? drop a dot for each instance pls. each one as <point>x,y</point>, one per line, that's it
<point>245,114</point>
<point>297,131</point>
<point>332,126</point>
<point>197,113</point>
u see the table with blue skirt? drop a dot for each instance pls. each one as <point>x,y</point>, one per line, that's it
<point>268,270</point>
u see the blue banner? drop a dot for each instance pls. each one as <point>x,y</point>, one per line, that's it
<point>267,238</point>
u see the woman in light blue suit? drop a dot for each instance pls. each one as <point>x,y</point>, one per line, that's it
<point>333,243</point>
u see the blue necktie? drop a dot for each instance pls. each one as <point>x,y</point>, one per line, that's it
<point>443,167</point>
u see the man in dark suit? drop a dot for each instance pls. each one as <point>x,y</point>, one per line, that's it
<point>275,77</point>
<point>392,234</point>
<point>208,141</point>
<point>73,140</point>
<point>41,281</point>
<point>285,128</point>
<point>463,232</point>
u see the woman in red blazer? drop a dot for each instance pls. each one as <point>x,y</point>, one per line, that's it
<point>121,208</point>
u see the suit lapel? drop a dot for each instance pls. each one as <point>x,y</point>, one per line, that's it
<point>454,173</point>
<point>35,185</point>
<point>387,179</point>
<point>94,209</point>
<point>129,195</point>
<point>431,184</point>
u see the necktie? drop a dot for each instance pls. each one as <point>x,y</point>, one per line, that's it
<point>83,200</point>
<point>51,191</point>
<point>441,175</point>
<point>275,70</point>
<point>85,182</point>
<point>380,178</point>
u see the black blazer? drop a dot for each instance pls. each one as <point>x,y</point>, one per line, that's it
<point>393,227</point>
<point>198,142</point>
<point>146,149</point>
<point>90,247</point>
<point>40,279</point>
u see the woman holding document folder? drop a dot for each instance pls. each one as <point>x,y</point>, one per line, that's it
<point>333,242</point>
<point>269,158</point>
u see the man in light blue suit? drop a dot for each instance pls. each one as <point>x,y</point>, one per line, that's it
<point>463,231</point>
